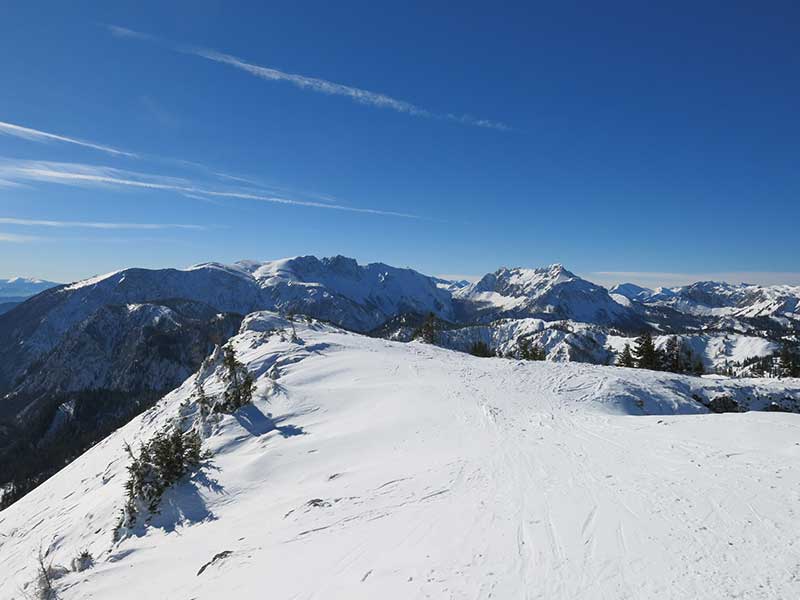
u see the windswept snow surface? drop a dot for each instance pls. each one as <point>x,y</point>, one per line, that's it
<point>374,469</point>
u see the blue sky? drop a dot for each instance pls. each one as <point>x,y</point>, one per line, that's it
<point>629,141</point>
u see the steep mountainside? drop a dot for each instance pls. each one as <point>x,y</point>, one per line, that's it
<point>551,293</point>
<point>9,304</point>
<point>103,371</point>
<point>397,470</point>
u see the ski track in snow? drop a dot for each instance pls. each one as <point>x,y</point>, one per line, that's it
<point>424,473</point>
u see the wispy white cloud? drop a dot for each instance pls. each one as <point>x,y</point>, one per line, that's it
<point>315,84</point>
<point>124,32</point>
<point>17,239</point>
<point>10,184</point>
<point>74,174</point>
<point>96,224</point>
<point>43,136</point>
<point>279,190</point>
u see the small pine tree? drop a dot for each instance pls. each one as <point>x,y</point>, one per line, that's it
<point>83,561</point>
<point>240,384</point>
<point>203,401</point>
<point>645,353</point>
<point>698,368</point>
<point>45,574</point>
<point>625,358</point>
<point>162,461</point>
<point>290,317</point>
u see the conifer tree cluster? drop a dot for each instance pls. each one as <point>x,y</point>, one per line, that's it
<point>783,363</point>
<point>481,349</point>
<point>675,357</point>
<point>528,351</point>
<point>625,358</point>
<point>161,462</point>
<point>427,331</point>
<point>788,361</point>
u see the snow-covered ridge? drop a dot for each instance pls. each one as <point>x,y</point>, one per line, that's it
<point>356,296</point>
<point>720,299</point>
<point>362,460</point>
<point>22,287</point>
<point>364,297</point>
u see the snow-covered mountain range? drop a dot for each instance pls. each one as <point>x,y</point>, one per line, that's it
<point>17,289</point>
<point>720,299</point>
<point>23,287</point>
<point>134,334</point>
<point>367,468</point>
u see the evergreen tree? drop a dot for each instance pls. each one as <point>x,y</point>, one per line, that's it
<point>625,358</point>
<point>240,385</point>
<point>481,349</point>
<point>524,346</point>
<point>645,353</point>
<point>162,461</point>
<point>528,351</point>
<point>788,362</point>
<point>427,331</point>
<point>673,355</point>
<point>698,368</point>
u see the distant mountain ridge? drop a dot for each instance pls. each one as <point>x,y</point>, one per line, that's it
<point>368,297</point>
<point>18,288</point>
<point>81,358</point>
<point>718,299</point>
<point>550,293</point>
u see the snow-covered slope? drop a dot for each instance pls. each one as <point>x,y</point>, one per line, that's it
<point>550,293</point>
<point>22,287</point>
<point>561,340</point>
<point>375,469</point>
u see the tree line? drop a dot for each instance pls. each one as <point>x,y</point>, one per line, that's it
<point>675,357</point>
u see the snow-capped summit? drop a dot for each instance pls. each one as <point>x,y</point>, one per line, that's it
<point>23,287</point>
<point>550,293</point>
<point>340,290</point>
<point>631,291</point>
